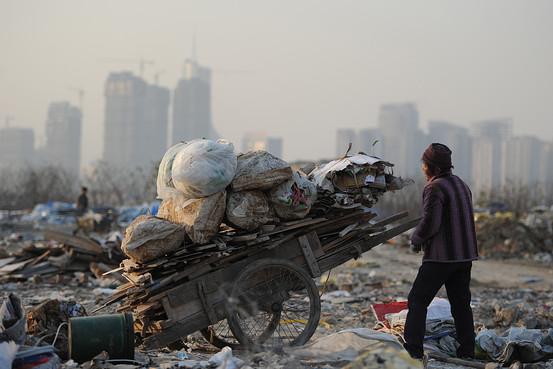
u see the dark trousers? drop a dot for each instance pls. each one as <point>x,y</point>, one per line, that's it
<point>432,276</point>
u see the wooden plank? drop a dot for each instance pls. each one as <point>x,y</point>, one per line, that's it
<point>81,243</point>
<point>352,249</point>
<point>7,261</point>
<point>9,268</point>
<point>310,259</point>
<point>315,244</point>
<point>391,233</point>
<point>390,219</point>
<point>295,222</point>
<point>208,308</point>
<point>295,226</point>
<point>342,222</point>
<point>329,246</point>
<point>243,238</point>
<point>179,329</point>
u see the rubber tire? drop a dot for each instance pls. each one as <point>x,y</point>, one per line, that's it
<point>312,290</point>
<point>216,341</point>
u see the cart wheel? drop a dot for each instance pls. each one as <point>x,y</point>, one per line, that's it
<point>220,335</point>
<point>274,303</point>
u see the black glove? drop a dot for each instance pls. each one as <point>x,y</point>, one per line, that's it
<point>415,248</point>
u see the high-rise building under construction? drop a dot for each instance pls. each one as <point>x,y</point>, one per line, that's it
<point>136,121</point>
<point>63,136</point>
<point>192,104</point>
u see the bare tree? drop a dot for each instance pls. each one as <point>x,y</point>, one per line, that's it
<point>116,186</point>
<point>24,187</point>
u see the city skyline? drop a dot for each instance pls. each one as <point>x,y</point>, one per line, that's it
<point>488,156</point>
<point>292,81</point>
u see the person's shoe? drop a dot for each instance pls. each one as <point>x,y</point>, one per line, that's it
<point>414,354</point>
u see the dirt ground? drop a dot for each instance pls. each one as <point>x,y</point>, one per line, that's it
<point>382,274</point>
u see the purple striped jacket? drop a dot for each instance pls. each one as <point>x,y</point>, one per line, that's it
<point>446,230</point>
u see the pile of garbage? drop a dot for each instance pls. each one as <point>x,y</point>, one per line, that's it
<point>210,191</point>
<point>504,237</point>
<point>54,212</point>
<point>513,312</point>
<point>60,253</point>
<point>99,219</point>
<point>217,197</point>
<point>353,181</point>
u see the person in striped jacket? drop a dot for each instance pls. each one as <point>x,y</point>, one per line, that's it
<point>447,237</point>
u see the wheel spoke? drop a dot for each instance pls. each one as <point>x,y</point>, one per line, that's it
<point>274,305</point>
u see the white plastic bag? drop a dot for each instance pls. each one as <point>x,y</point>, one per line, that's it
<point>293,199</point>
<point>7,353</point>
<point>204,167</point>
<point>165,187</point>
<point>224,360</point>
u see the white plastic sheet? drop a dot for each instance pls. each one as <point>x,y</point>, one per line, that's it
<point>522,344</point>
<point>343,346</point>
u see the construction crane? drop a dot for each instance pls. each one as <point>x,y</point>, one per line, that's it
<point>223,71</point>
<point>142,63</point>
<point>80,94</point>
<point>8,120</point>
<point>156,76</point>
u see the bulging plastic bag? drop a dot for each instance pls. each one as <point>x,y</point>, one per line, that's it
<point>203,167</point>
<point>247,210</point>
<point>165,186</point>
<point>149,237</point>
<point>259,170</point>
<point>201,218</point>
<point>12,320</point>
<point>293,199</point>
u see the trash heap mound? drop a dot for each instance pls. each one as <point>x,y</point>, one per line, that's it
<point>354,181</point>
<point>218,208</point>
<point>58,254</point>
<point>507,237</point>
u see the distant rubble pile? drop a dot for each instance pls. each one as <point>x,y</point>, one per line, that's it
<point>504,236</point>
<point>57,255</point>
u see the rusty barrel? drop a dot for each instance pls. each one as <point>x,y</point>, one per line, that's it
<point>90,335</point>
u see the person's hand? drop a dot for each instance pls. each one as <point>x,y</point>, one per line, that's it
<point>415,248</point>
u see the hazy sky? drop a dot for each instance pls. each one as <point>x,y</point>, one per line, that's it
<point>299,69</point>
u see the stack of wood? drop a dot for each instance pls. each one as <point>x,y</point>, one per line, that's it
<point>64,253</point>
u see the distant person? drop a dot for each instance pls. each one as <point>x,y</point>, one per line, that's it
<point>447,237</point>
<point>82,201</point>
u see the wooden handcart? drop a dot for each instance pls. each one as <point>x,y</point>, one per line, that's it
<point>260,295</point>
